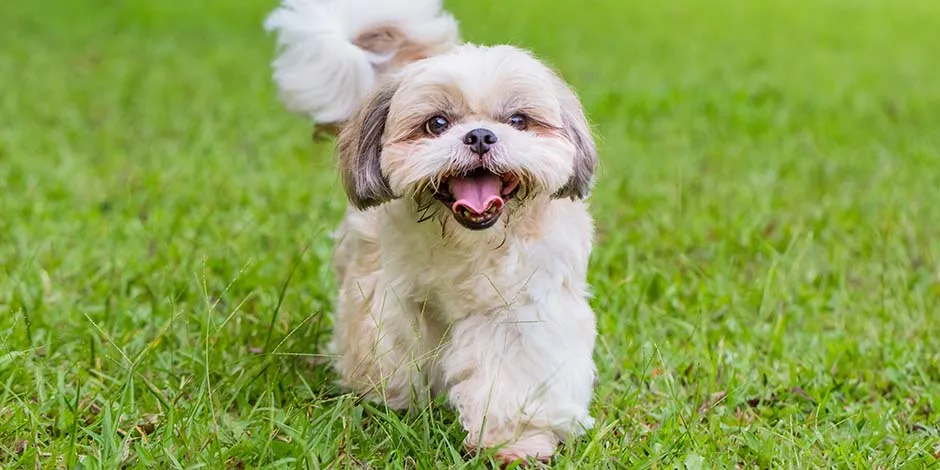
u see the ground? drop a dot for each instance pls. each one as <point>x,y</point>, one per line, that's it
<point>766,277</point>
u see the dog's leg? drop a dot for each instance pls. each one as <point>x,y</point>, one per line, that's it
<point>377,339</point>
<point>522,380</point>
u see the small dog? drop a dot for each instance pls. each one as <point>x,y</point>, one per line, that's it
<point>462,259</point>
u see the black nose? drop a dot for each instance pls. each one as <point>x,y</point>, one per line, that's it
<point>479,140</point>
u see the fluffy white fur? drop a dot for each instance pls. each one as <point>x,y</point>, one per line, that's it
<point>496,319</point>
<point>323,70</point>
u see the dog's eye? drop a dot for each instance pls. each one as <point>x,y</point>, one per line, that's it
<point>519,121</point>
<point>436,125</point>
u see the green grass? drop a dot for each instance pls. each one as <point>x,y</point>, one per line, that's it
<point>767,272</point>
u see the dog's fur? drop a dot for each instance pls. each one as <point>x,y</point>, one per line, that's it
<point>496,319</point>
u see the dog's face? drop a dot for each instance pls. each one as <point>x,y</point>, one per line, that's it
<point>474,130</point>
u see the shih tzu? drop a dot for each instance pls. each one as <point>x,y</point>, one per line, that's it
<point>462,259</point>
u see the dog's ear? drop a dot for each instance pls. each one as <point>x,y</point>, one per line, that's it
<point>360,151</point>
<point>578,130</point>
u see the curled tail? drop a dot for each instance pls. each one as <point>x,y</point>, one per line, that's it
<point>332,52</point>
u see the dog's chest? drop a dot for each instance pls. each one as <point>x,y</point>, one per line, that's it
<point>465,273</point>
<point>472,283</point>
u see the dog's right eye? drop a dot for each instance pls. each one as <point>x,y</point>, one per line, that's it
<point>519,121</point>
<point>436,125</point>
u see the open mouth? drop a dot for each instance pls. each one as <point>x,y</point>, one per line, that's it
<point>477,198</point>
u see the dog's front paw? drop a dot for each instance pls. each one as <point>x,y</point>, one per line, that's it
<point>531,446</point>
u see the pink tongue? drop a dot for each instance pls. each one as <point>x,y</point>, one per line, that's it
<point>476,193</point>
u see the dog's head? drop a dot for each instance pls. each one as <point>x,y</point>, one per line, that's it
<point>475,129</point>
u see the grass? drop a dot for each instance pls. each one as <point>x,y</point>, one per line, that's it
<point>767,274</point>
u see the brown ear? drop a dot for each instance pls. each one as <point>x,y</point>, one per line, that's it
<point>360,151</point>
<point>578,130</point>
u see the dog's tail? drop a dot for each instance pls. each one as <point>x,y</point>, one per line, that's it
<point>332,52</point>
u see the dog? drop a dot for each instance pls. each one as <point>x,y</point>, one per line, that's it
<point>462,257</point>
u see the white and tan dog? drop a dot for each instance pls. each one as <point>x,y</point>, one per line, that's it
<point>462,259</point>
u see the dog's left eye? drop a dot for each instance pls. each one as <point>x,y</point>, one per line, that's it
<point>519,121</point>
<point>436,125</point>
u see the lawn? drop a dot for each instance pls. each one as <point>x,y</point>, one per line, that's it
<point>766,277</point>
